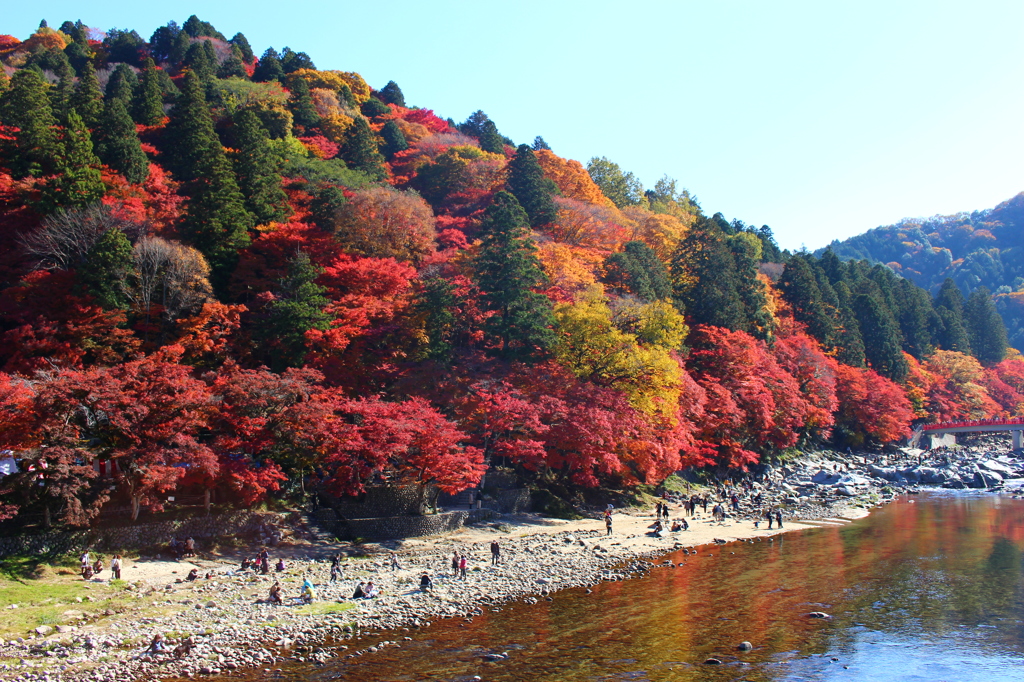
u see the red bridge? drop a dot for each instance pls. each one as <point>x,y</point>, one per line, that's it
<point>1015,425</point>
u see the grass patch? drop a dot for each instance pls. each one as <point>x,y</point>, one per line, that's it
<point>322,608</point>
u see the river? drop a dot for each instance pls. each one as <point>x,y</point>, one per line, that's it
<point>928,588</point>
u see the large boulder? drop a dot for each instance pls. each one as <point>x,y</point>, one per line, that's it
<point>986,479</point>
<point>825,477</point>
<point>1003,470</point>
<point>887,473</point>
<point>932,476</point>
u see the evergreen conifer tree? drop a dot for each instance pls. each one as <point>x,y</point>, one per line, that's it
<point>916,318</point>
<point>533,192</point>
<point>507,270</point>
<point>849,343</point>
<point>985,327</point>
<point>119,145</point>
<point>148,105</point>
<point>233,66</point>
<point>490,139</point>
<point>60,97</point>
<point>638,271</point>
<point>27,107</point>
<point>5,84</point>
<point>800,289</point>
<point>435,303</point>
<point>242,43</point>
<point>216,220</point>
<point>106,270</point>
<point>881,336</point>
<point>198,60</point>
<point>122,84</point>
<point>360,150</point>
<point>257,168</point>
<point>269,67</point>
<point>704,278</point>
<point>78,181</point>
<point>298,307</point>
<point>392,94</point>
<point>301,104</point>
<point>539,144</point>
<point>87,99</point>
<point>394,139</point>
<point>949,307</point>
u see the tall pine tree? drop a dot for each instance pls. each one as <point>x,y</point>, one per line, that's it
<point>881,335</point>
<point>78,182</point>
<point>985,327</point>
<point>704,278</point>
<point>216,220</point>
<point>507,270</point>
<point>258,170</point>
<point>394,139</point>
<point>27,107</point>
<point>298,307</point>
<point>106,270</point>
<point>87,99</point>
<point>122,84</point>
<point>531,189</point>
<point>301,104</point>
<point>119,145</point>
<point>951,332</point>
<point>360,152</point>
<point>148,105</point>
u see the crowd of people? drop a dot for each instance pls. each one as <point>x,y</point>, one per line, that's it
<point>94,568</point>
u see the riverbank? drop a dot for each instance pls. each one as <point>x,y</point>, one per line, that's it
<point>102,634</point>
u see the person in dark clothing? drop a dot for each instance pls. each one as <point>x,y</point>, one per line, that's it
<point>426,583</point>
<point>495,553</point>
<point>359,594</point>
<point>778,519</point>
<point>768,516</point>
<point>608,524</point>
<point>704,503</point>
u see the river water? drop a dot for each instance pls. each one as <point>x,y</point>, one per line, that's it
<point>928,588</point>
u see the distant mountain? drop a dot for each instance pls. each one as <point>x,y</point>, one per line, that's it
<point>977,249</point>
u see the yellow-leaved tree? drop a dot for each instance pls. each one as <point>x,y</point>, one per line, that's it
<point>593,347</point>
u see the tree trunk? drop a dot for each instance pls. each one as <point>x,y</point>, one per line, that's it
<point>206,501</point>
<point>46,515</point>
<point>136,505</point>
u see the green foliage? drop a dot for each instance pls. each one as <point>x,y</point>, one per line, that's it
<point>106,270</point>
<point>244,49</point>
<point>623,188</point>
<point>199,60</point>
<point>359,150</point>
<point>394,139</point>
<point>196,28</point>
<point>800,289</point>
<point>87,99</point>
<point>298,307</point>
<point>373,107</point>
<point>27,107</point>
<point>638,271</point>
<point>122,84</point>
<point>301,106</point>
<point>232,67</point>
<point>985,327</point>
<point>949,307</point>
<point>435,303</point>
<point>148,105</point>
<point>299,164</point>
<point>527,183</point>
<point>269,68</point>
<point>507,270</point>
<point>119,145</point>
<point>881,337</point>
<point>78,182</point>
<point>481,127</point>
<point>392,94</point>
<point>258,170</point>
<point>704,278</point>
<point>292,61</point>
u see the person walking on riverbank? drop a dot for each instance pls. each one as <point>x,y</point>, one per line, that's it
<point>768,517</point>
<point>608,523</point>
<point>115,567</point>
<point>462,566</point>
<point>778,518</point>
<point>455,564</point>
<point>495,552</point>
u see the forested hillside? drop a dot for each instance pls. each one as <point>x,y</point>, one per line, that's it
<point>979,249</point>
<point>236,274</point>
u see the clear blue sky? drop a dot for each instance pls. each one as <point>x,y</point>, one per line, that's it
<point>820,119</point>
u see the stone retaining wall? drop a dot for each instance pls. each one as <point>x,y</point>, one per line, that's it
<point>510,501</point>
<point>394,527</point>
<point>139,536</point>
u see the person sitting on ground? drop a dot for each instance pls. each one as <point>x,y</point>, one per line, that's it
<point>370,591</point>
<point>192,575</point>
<point>280,565</point>
<point>676,526</point>
<point>157,646</point>
<point>359,592</point>
<point>426,583</point>
<point>246,563</point>
<point>87,572</point>
<point>308,594</point>
<point>275,594</point>
<point>97,567</point>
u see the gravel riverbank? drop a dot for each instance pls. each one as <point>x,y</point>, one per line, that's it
<point>231,630</point>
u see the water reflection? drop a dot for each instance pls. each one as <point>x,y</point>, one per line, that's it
<point>925,589</point>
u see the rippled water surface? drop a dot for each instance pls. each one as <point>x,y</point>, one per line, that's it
<point>928,588</point>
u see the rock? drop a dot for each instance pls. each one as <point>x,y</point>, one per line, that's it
<point>745,646</point>
<point>712,661</point>
<point>846,491</point>
<point>818,614</point>
<point>43,630</point>
<point>998,468</point>
<point>986,479</point>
